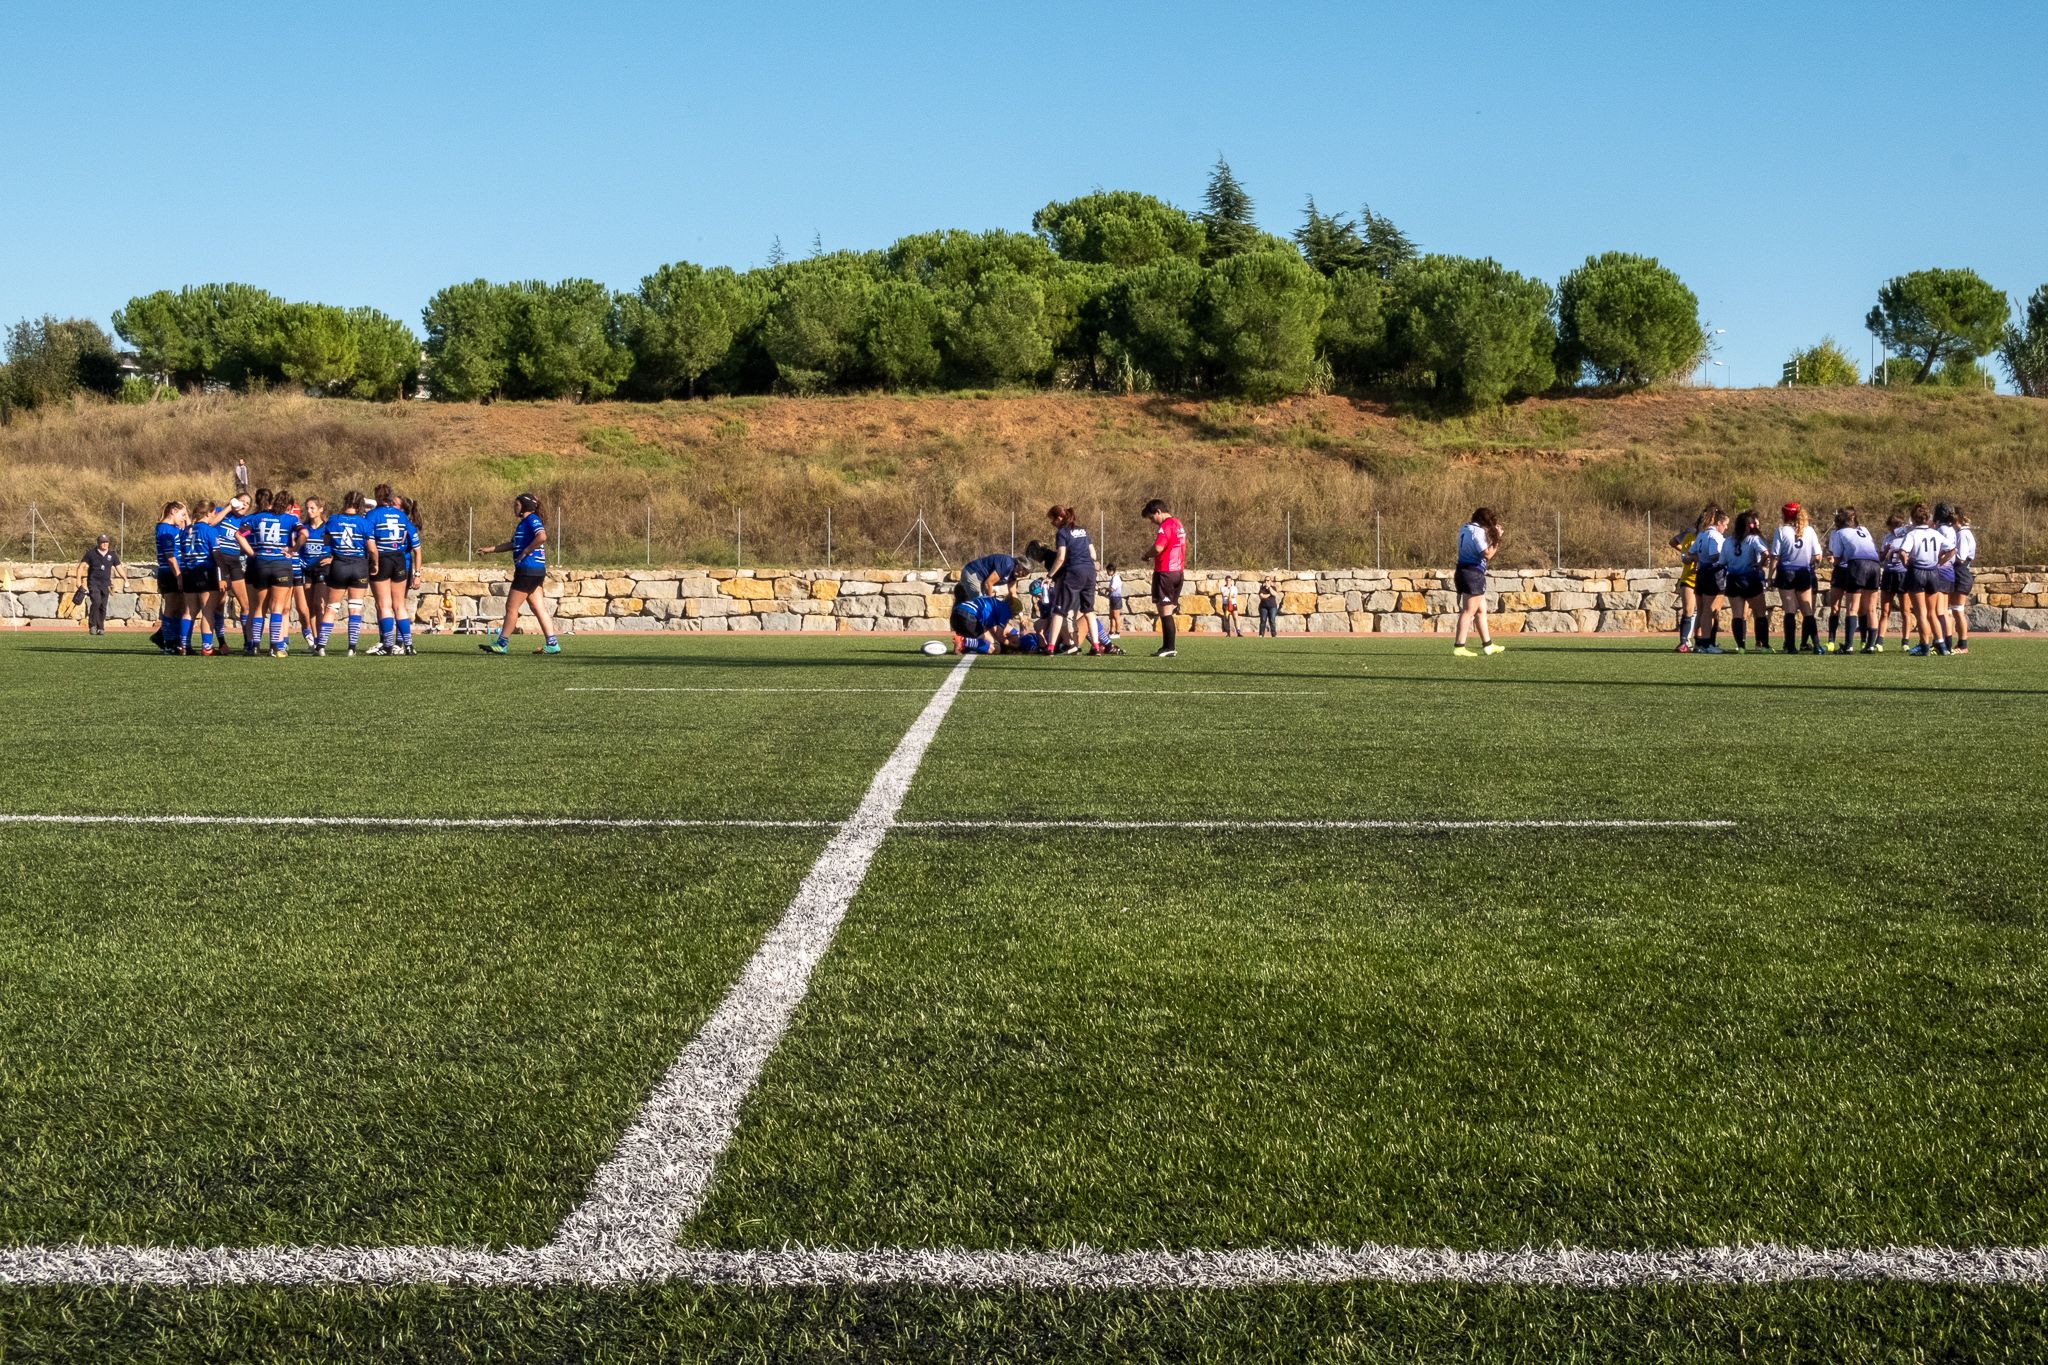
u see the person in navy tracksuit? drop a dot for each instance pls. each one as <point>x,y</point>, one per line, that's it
<point>529,547</point>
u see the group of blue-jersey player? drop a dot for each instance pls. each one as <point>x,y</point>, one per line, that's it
<point>270,557</point>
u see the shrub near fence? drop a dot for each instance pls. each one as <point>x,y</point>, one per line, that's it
<point>824,601</point>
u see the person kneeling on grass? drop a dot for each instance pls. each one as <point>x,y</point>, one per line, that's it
<point>978,625</point>
<point>529,547</point>
<point>1478,542</point>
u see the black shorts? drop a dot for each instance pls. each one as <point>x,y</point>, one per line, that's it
<point>1081,593</point>
<point>1166,590</point>
<point>1923,580</point>
<point>1965,580</point>
<point>167,581</point>
<point>229,567</point>
<point>270,573</point>
<point>1744,586</point>
<point>348,573</point>
<point>197,578</point>
<point>1857,575</point>
<point>316,575</point>
<point>1710,582</point>
<point>529,580</point>
<point>298,574</point>
<point>1893,581</point>
<point>391,569</point>
<point>1794,580</point>
<point>1470,580</point>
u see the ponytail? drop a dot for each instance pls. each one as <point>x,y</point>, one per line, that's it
<point>1484,517</point>
<point>1061,517</point>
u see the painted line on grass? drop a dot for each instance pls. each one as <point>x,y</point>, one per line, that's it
<point>1079,1268</point>
<point>418,821</point>
<point>1001,691</point>
<point>968,826</point>
<point>657,1175</point>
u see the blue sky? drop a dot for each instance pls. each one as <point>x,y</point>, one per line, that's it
<point>1784,158</point>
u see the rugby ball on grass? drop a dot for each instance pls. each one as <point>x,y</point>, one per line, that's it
<point>934,647</point>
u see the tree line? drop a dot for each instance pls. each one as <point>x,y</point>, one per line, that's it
<point>1114,290</point>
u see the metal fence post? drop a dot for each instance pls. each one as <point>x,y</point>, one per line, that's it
<point>469,536</point>
<point>1194,538</point>
<point>1560,539</point>
<point>1290,540</point>
<point>124,530</point>
<point>650,535</point>
<point>738,525</point>
<point>31,532</point>
<point>1378,560</point>
<point>828,537</point>
<point>1649,554</point>
<point>1013,533</point>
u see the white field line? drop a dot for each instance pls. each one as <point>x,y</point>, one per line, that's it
<point>1079,1268</point>
<point>656,1177</point>
<point>1003,691</point>
<point>969,826</point>
<point>418,821</point>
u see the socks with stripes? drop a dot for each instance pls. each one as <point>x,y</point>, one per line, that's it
<point>384,630</point>
<point>355,628</point>
<point>404,630</point>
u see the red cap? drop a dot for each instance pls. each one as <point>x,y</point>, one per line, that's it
<point>1790,509</point>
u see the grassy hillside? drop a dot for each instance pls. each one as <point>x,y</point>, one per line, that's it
<point>1598,465</point>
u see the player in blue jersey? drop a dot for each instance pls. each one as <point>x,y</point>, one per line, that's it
<point>197,580</point>
<point>347,533</point>
<point>978,624</point>
<point>231,565</point>
<point>394,545</point>
<point>170,535</point>
<point>314,557</point>
<point>983,577</point>
<point>529,549</point>
<point>273,534</point>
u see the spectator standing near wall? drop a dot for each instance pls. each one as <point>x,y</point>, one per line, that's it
<point>96,579</point>
<point>1226,598</point>
<point>1269,607</point>
<point>241,478</point>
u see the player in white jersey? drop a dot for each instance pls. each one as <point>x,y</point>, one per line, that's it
<point>1924,554</point>
<point>1795,550</point>
<point>1964,580</point>
<point>1743,555</point>
<point>1854,582</point>
<point>1892,580</point>
<point>1710,579</point>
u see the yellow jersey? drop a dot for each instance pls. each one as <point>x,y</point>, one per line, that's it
<point>1687,575</point>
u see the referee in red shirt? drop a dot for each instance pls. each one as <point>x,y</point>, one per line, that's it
<point>1169,556</point>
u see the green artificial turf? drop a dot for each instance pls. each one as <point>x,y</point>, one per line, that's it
<point>244,1038</point>
<point>1821,1027</point>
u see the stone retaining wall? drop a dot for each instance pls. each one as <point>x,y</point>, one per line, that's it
<point>1336,601</point>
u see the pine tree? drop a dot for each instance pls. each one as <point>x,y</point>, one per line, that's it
<point>1329,243</point>
<point>1386,246</point>
<point>1227,214</point>
<point>776,255</point>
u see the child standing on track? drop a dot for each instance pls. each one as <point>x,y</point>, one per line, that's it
<point>529,547</point>
<point>1116,604</point>
<point>1478,542</point>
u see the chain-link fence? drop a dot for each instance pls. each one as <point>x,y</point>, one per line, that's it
<point>616,535</point>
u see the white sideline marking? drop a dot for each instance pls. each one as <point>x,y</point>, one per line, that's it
<point>1000,691</point>
<point>969,825</point>
<point>418,821</point>
<point>1079,1268</point>
<point>656,1177</point>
